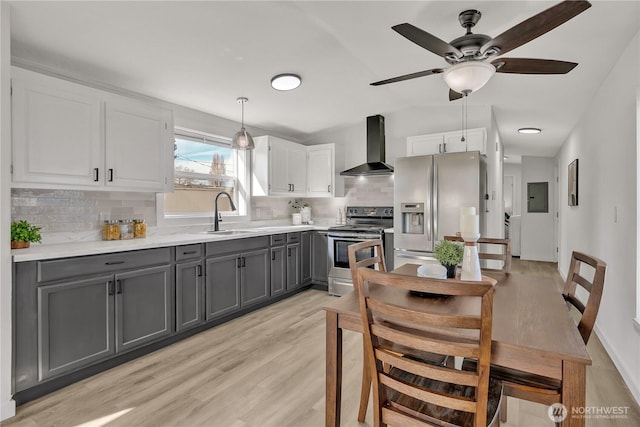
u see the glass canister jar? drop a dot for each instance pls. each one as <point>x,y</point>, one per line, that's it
<point>139,229</point>
<point>110,230</point>
<point>126,229</point>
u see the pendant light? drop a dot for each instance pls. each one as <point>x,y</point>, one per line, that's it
<point>242,140</point>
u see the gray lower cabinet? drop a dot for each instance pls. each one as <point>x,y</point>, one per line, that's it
<point>278,270</point>
<point>255,282</point>
<point>189,295</point>
<point>293,266</point>
<point>320,258</point>
<point>83,321</point>
<point>305,257</point>
<point>76,325</point>
<point>222,283</point>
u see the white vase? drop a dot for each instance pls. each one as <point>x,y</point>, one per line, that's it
<point>296,218</point>
<point>306,214</point>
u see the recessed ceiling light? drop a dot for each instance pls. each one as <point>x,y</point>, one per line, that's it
<point>529,130</point>
<point>285,81</point>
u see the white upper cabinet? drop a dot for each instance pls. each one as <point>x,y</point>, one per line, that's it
<point>284,168</point>
<point>448,142</point>
<point>67,135</point>
<point>279,167</point>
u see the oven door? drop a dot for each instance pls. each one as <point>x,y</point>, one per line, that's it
<point>339,249</point>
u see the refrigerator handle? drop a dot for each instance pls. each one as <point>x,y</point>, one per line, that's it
<point>434,206</point>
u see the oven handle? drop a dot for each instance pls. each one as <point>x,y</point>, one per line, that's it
<point>355,237</point>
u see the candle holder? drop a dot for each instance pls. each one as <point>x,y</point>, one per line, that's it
<point>470,259</point>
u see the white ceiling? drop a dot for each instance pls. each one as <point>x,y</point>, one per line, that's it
<point>205,54</point>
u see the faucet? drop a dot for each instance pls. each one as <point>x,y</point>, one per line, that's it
<point>216,214</point>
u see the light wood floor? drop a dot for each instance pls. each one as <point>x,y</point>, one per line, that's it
<point>264,369</point>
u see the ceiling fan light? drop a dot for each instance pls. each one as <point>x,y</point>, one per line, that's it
<point>469,76</point>
<point>529,130</point>
<point>286,81</point>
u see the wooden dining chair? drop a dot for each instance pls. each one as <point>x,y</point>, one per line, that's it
<point>504,255</point>
<point>544,390</point>
<point>406,390</point>
<point>370,254</point>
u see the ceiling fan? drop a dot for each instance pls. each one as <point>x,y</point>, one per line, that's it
<point>473,57</point>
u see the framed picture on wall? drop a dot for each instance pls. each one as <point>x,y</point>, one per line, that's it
<point>572,178</point>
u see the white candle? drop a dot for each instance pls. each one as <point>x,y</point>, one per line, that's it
<point>470,210</point>
<point>470,224</point>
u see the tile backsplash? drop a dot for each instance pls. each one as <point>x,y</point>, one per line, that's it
<point>69,210</point>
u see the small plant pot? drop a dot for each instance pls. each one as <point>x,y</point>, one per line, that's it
<point>451,271</point>
<point>19,245</point>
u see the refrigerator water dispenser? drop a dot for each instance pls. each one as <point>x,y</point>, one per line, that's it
<point>412,218</point>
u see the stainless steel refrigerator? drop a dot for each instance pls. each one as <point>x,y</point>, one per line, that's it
<point>428,194</point>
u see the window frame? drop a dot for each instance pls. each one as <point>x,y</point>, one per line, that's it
<point>242,199</point>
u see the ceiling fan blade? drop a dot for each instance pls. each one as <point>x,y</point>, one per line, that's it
<point>532,66</point>
<point>427,41</point>
<point>408,76</point>
<point>453,95</point>
<point>536,26</point>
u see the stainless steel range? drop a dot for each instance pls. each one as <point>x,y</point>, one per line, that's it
<point>363,223</point>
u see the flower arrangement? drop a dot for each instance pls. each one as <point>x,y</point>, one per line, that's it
<point>298,204</point>
<point>22,233</point>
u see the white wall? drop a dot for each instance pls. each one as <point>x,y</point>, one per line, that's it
<point>605,142</point>
<point>537,235</point>
<point>514,170</point>
<point>7,405</point>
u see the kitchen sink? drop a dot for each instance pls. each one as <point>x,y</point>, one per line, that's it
<point>228,232</point>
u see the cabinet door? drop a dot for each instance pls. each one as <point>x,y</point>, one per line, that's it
<point>293,266</point>
<point>136,144</point>
<point>255,282</point>
<point>144,306</point>
<point>278,270</point>
<point>320,172</point>
<point>56,132</point>
<point>474,140</point>
<point>278,171</point>
<point>424,144</point>
<point>222,290</point>
<point>297,167</point>
<point>320,258</point>
<point>305,255</point>
<point>75,325</point>
<point>189,295</point>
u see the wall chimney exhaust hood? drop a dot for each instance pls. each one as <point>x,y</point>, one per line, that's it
<point>375,165</point>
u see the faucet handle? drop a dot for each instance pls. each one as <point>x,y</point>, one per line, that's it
<point>219,217</point>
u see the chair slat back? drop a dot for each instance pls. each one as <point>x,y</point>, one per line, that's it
<point>594,288</point>
<point>366,254</point>
<point>504,255</point>
<point>404,321</point>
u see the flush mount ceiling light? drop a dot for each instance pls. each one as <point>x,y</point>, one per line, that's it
<point>529,130</point>
<point>286,81</point>
<point>467,77</point>
<point>242,140</point>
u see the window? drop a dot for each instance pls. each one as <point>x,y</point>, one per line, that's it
<point>205,165</point>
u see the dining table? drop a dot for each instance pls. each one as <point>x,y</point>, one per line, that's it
<point>532,331</point>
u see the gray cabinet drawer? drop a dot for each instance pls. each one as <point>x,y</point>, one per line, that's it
<point>278,239</point>
<point>188,252</point>
<point>236,245</point>
<point>62,268</point>
<point>293,237</point>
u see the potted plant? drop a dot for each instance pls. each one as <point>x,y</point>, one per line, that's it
<point>299,207</point>
<point>449,254</point>
<point>22,233</point>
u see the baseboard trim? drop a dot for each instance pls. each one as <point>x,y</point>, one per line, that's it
<point>626,377</point>
<point>7,409</point>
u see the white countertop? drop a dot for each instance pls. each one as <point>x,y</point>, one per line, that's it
<point>80,248</point>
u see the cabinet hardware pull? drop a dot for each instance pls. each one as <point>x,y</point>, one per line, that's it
<point>329,188</point>
<point>110,175</point>
<point>273,256</point>
<point>199,270</point>
<point>289,251</point>
<point>110,286</point>
<point>243,259</point>
<point>444,145</point>
<point>96,174</point>
<point>439,148</point>
<point>118,286</point>
<point>189,252</point>
<point>238,262</point>
<point>114,262</point>
<point>293,187</point>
